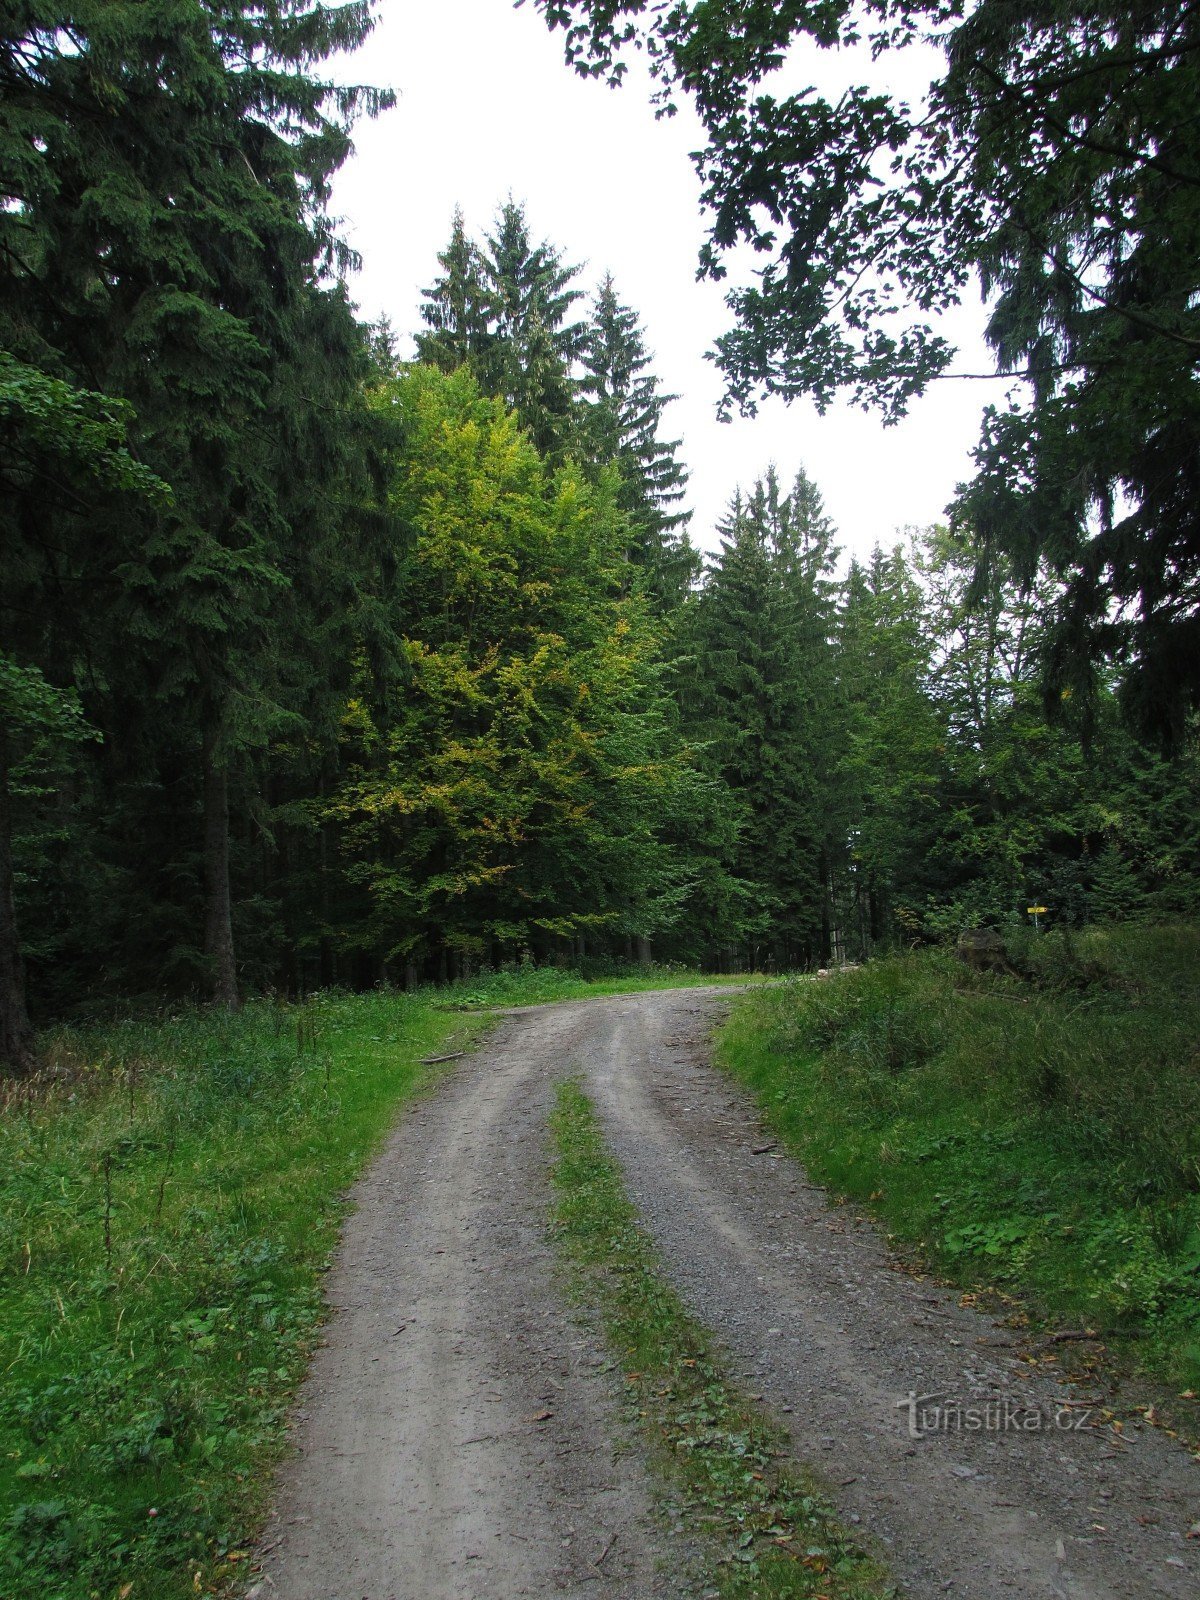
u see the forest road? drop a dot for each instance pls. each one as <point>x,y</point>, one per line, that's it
<point>459,1436</point>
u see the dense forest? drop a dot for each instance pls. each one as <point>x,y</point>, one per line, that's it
<point>322,667</point>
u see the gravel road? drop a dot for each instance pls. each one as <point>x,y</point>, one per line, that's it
<point>459,1438</point>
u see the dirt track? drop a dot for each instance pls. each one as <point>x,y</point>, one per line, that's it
<point>428,1468</point>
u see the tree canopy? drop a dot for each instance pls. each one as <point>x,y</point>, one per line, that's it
<point>1055,162</point>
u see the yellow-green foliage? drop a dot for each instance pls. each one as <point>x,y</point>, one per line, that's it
<point>525,773</point>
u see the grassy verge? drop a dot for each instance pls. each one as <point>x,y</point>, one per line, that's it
<point>1039,1135</point>
<point>167,1207</point>
<point>764,1518</point>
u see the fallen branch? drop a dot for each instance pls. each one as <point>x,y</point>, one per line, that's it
<point>612,1541</point>
<point>434,1061</point>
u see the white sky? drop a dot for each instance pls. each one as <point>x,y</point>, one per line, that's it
<point>487,105</point>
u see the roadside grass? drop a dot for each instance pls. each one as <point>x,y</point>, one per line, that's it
<point>1039,1134</point>
<point>168,1204</point>
<point>765,1520</point>
<point>170,1192</point>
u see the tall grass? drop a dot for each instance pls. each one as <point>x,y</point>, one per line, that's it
<point>1039,1132</point>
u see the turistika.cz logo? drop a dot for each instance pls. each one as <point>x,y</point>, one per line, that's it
<point>936,1413</point>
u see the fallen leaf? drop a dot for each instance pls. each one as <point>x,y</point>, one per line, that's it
<point>540,1416</point>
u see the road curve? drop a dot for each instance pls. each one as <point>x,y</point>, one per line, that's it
<point>427,1467</point>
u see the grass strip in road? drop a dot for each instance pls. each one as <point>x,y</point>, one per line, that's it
<point>765,1520</point>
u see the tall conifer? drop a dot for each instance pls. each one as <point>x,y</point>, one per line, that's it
<point>169,243</point>
<point>623,424</point>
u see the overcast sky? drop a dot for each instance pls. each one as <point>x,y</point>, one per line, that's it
<point>487,105</point>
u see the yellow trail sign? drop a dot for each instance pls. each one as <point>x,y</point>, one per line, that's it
<point>1037,911</point>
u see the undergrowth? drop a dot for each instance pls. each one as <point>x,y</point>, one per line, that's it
<point>166,1206</point>
<point>1037,1131</point>
<point>530,985</point>
<point>771,1531</point>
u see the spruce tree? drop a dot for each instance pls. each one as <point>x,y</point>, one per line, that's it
<point>171,246</point>
<point>63,461</point>
<point>458,308</point>
<point>1053,165</point>
<point>894,755</point>
<point>760,693</point>
<point>623,424</point>
<point>504,311</point>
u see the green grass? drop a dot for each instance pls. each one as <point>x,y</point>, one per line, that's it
<point>526,986</point>
<point>1036,1134</point>
<point>764,1519</point>
<point>169,1196</point>
<point>167,1209</point>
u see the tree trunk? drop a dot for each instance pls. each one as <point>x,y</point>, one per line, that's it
<point>16,1035</point>
<point>218,923</point>
<point>643,950</point>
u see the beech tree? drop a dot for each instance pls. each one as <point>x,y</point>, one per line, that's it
<point>521,795</point>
